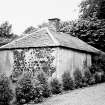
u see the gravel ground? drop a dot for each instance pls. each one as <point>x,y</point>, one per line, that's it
<point>88,96</point>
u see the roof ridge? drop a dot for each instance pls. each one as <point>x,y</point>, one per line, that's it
<point>52,37</point>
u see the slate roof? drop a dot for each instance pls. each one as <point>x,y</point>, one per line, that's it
<point>46,37</point>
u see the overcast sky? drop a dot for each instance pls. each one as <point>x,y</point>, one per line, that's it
<point>24,13</point>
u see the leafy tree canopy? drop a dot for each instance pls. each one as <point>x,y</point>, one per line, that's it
<point>29,30</point>
<point>90,30</point>
<point>5,30</point>
<point>90,27</point>
<point>6,34</point>
<point>92,8</point>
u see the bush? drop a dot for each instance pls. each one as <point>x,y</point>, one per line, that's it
<point>43,81</point>
<point>67,81</point>
<point>98,73</point>
<point>38,90</point>
<point>55,86</point>
<point>78,78</point>
<point>25,91</point>
<point>28,89</point>
<point>6,94</point>
<point>98,68</point>
<point>103,77</point>
<point>93,69</point>
<point>38,97</point>
<point>97,77</point>
<point>87,78</point>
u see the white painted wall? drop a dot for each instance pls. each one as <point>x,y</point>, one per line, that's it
<point>6,62</point>
<point>69,60</point>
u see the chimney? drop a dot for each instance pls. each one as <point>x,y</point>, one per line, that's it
<point>54,24</point>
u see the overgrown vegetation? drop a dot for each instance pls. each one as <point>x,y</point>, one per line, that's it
<point>44,83</point>
<point>6,34</point>
<point>24,90</point>
<point>77,78</point>
<point>55,86</point>
<point>29,89</point>
<point>6,94</point>
<point>67,81</point>
<point>29,30</point>
<point>87,78</point>
<point>32,88</point>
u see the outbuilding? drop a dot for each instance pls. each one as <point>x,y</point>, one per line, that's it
<point>48,51</point>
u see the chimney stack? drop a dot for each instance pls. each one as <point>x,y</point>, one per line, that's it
<point>54,24</point>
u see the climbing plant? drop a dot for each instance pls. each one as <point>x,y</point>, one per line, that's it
<point>34,60</point>
<point>41,59</point>
<point>19,64</point>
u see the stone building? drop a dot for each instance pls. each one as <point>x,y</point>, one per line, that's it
<point>46,50</point>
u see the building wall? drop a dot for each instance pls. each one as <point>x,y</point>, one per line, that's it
<point>69,60</point>
<point>53,61</point>
<point>6,62</point>
<point>16,62</point>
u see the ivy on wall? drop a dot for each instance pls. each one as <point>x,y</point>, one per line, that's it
<point>19,64</point>
<point>41,59</point>
<point>34,61</point>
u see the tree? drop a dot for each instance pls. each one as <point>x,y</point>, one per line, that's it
<point>92,8</point>
<point>6,34</point>
<point>90,30</point>
<point>90,27</point>
<point>29,30</point>
<point>5,30</point>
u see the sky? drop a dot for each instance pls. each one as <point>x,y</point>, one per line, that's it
<point>24,13</point>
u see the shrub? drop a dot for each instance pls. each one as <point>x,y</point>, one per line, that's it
<point>38,97</point>
<point>99,63</point>
<point>43,81</point>
<point>93,69</point>
<point>78,78</point>
<point>28,89</point>
<point>24,91</point>
<point>103,77</point>
<point>87,77</point>
<point>6,94</point>
<point>98,68</point>
<point>38,90</point>
<point>55,86</point>
<point>67,81</point>
<point>97,77</point>
<point>92,80</point>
